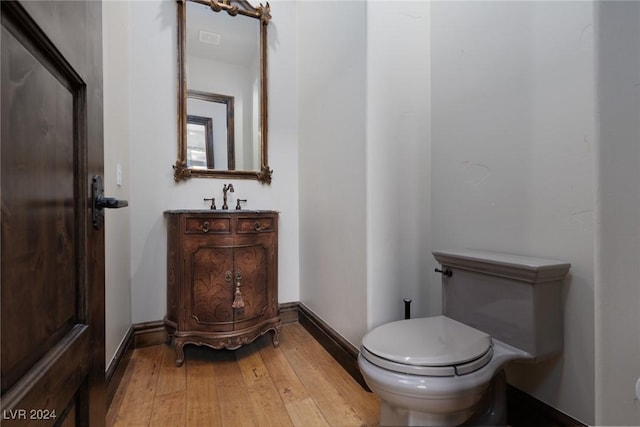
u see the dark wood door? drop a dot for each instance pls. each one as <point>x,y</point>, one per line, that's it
<point>52,258</point>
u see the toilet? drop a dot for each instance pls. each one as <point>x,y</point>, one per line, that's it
<point>449,370</point>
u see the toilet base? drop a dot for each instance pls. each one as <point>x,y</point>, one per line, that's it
<point>491,411</point>
<point>392,416</point>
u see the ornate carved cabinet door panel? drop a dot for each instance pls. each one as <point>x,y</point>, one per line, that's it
<point>252,261</point>
<point>211,288</point>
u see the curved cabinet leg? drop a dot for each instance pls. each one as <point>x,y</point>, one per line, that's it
<point>179,352</point>
<point>276,335</point>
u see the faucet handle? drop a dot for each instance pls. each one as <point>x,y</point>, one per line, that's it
<point>238,207</point>
<point>213,203</point>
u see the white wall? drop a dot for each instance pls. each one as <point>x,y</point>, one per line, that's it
<point>513,157</point>
<point>115,17</point>
<point>332,161</point>
<point>398,149</point>
<point>617,314</point>
<point>154,150</point>
<point>364,161</point>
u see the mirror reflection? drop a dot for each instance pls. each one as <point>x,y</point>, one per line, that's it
<point>222,56</point>
<point>218,112</point>
<point>200,142</point>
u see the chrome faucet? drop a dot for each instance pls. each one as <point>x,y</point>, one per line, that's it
<point>226,188</point>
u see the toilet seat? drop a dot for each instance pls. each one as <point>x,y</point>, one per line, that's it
<point>432,346</point>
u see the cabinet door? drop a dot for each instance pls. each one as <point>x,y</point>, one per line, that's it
<point>209,279</point>
<point>252,259</point>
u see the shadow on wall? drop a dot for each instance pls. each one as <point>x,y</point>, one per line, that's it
<point>148,304</point>
<point>167,14</point>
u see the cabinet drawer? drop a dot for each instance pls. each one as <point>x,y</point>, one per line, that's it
<point>207,225</point>
<point>256,225</point>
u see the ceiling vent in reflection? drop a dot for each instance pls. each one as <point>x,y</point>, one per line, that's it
<point>211,38</point>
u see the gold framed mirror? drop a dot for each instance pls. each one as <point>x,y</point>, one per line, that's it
<point>222,90</point>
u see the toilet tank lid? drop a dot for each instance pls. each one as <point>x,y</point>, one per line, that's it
<point>525,268</point>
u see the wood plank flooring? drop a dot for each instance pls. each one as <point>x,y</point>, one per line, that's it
<point>295,384</point>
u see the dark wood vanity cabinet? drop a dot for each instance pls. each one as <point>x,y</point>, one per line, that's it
<point>222,279</point>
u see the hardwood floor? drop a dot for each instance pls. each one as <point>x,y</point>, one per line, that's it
<point>296,384</point>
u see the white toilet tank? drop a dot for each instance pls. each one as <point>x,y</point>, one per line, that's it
<point>515,299</point>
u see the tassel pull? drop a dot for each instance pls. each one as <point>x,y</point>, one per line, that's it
<point>238,302</point>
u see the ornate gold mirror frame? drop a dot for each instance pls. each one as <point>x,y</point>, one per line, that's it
<point>233,7</point>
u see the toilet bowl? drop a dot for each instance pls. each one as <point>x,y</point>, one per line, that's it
<point>440,384</point>
<point>447,370</point>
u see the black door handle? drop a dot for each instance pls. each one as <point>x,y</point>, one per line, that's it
<point>100,203</point>
<point>445,272</point>
<point>110,203</point>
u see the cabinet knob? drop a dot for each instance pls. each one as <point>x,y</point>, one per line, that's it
<point>228,276</point>
<point>205,227</point>
<point>257,226</point>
